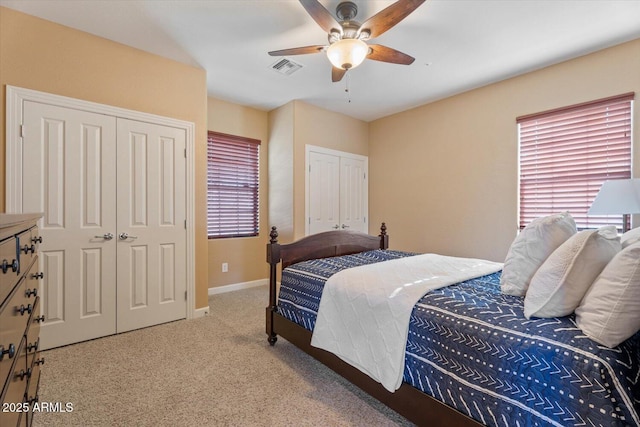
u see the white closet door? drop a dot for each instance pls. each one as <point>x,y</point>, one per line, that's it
<point>353,194</point>
<point>105,271</point>
<point>337,191</point>
<point>69,175</point>
<point>151,224</point>
<point>324,192</point>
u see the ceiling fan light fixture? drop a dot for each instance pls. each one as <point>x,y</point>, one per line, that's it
<point>347,53</point>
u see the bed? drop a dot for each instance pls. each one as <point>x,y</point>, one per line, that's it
<point>471,357</point>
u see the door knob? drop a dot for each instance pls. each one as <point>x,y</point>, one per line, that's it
<point>106,236</point>
<point>125,236</point>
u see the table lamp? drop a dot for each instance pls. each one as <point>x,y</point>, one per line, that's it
<point>620,196</point>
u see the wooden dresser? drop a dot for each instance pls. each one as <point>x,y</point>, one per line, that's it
<point>20,318</point>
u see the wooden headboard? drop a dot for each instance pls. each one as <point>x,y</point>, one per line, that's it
<point>323,245</point>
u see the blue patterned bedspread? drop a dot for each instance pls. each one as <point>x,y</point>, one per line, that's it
<point>471,347</point>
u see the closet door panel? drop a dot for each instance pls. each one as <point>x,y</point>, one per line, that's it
<point>353,194</point>
<point>151,224</point>
<point>69,175</point>
<point>324,192</point>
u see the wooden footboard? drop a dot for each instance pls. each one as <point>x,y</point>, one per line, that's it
<point>408,401</point>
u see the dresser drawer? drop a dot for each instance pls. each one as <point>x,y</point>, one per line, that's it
<point>32,284</point>
<point>14,392</point>
<point>34,373</point>
<point>28,245</point>
<point>9,271</point>
<point>32,396</point>
<point>14,318</point>
<point>33,340</point>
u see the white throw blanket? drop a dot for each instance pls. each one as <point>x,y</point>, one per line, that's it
<point>364,311</point>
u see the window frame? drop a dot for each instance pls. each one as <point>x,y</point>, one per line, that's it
<point>246,156</point>
<point>557,144</point>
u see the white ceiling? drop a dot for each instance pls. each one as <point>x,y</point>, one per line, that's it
<point>458,44</point>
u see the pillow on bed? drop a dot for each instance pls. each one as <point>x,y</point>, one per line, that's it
<point>610,311</point>
<point>531,248</point>
<point>559,285</point>
<point>630,237</point>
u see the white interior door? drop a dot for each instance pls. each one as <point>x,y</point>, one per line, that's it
<point>69,175</point>
<point>324,192</point>
<point>337,191</point>
<point>151,224</point>
<point>353,189</point>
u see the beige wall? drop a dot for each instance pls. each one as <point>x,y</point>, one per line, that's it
<point>245,256</point>
<point>444,175</point>
<point>40,55</point>
<point>292,127</point>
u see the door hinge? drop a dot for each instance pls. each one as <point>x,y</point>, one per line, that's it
<point>185,224</point>
<point>309,168</point>
<point>185,295</point>
<point>185,153</point>
<point>21,131</point>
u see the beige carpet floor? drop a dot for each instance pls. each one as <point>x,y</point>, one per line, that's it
<point>214,371</point>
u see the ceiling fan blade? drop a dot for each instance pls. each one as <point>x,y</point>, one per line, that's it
<point>378,52</point>
<point>388,17</point>
<point>321,15</point>
<point>337,74</point>
<point>298,50</point>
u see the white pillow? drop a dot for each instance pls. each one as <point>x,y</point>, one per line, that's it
<point>630,237</point>
<point>531,248</point>
<point>610,311</point>
<point>561,282</point>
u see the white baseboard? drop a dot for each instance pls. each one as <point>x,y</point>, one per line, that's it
<point>237,286</point>
<point>200,312</point>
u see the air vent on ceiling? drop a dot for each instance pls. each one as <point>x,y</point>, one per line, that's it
<point>286,66</point>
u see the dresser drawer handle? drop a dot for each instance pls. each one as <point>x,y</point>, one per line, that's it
<point>32,347</point>
<point>37,239</point>
<point>28,248</point>
<point>31,292</point>
<point>37,276</point>
<point>24,373</point>
<point>39,361</point>
<point>22,309</point>
<point>11,351</point>
<point>39,319</point>
<point>5,265</point>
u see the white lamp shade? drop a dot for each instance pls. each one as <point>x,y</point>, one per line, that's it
<point>347,53</point>
<point>620,196</point>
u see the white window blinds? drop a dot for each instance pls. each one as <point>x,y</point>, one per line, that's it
<point>566,155</point>
<point>233,176</point>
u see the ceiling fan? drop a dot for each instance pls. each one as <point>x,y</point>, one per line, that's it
<point>347,48</point>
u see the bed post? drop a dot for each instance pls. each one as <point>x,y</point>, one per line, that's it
<point>384,238</point>
<point>273,258</point>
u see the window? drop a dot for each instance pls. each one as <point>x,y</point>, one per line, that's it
<point>566,154</point>
<point>232,186</point>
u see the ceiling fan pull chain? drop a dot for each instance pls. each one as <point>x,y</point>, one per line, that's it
<point>346,89</point>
